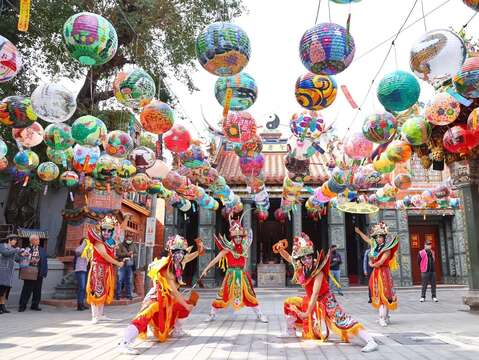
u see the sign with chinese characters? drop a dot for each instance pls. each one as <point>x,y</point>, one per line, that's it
<point>150,231</point>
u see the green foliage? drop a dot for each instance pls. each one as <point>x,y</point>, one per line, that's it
<point>148,140</point>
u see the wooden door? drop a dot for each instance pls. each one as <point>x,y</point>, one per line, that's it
<point>418,235</point>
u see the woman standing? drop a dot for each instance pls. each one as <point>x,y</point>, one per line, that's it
<point>8,253</point>
<point>83,255</point>
<point>382,259</point>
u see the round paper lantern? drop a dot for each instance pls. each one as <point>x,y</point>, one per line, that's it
<point>280,215</point>
<point>10,60</point>
<point>223,49</point>
<point>466,80</point>
<point>326,48</point>
<point>261,215</point>
<point>443,110</point>
<point>58,136</point>
<point>157,117</point>
<point>126,169</point>
<point>134,87</point>
<point>60,157</point>
<point>399,151</point>
<point>357,147</point>
<point>193,157</point>
<point>307,124</point>
<point>118,143</point>
<point>428,196</point>
<point>239,127</point>
<point>252,166</point>
<point>380,128</point>
<point>106,167</point>
<point>69,179</point>
<point>87,184</point>
<point>3,163</point>
<point>473,4</point>
<point>26,160</point>
<point>398,91</point>
<point>249,148</point>
<point>315,92</point>
<point>30,136</point>
<point>243,88</point>
<point>457,139</point>
<point>89,130</point>
<point>48,171</point>
<point>90,38</point>
<point>85,158</point>
<point>140,182</point>
<point>3,149</point>
<point>437,56</point>
<point>178,139</point>
<point>142,157</point>
<point>17,112</point>
<point>53,102</point>
<point>473,122</point>
<point>403,181</point>
<point>416,130</point>
<point>383,164</point>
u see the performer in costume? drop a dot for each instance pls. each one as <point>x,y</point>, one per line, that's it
<point>237,288</point>
<point>164,307</point>
<point>382,259</point>
<point>100,286</point>
<point>318,312</point>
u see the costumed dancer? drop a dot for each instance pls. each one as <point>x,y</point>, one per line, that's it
<point>318,312</point>
<point>164,307</point>
<point>100,286</point>
<point>237,288</point>
<point>382,258</point>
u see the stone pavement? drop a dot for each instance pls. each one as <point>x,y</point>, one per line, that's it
<point>435,331</point>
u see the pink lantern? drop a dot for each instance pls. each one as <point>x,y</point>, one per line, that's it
<point>239,127</point>
<point>458,139</point>
<point>357,147</point>
<point>280,215</point>
<point>178,139</point>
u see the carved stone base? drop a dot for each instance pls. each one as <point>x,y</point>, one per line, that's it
<point>271,275</point>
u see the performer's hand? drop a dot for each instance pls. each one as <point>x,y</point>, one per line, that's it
<point>356,229</point>
<point>189,307</point>
<point>120,264</point>
<point>365,273</point>
<point>203,274</point>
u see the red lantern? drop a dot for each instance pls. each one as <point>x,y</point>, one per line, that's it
<point>261,215</point>
<point>280,215</point>
<point>458,139</point>
<point>178,139</point>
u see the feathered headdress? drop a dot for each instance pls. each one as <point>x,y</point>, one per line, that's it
<point>236,229</point>
<point>380,229</point>
<point>177,242</point>
<point>302,245</point>
<point>108,222</point>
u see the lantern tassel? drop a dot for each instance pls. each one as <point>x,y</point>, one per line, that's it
<point>25,180</point>
<point>71,197</point>
<point>45,190</point>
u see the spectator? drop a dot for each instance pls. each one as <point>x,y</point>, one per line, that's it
<point>80,266</point>
<point>8,254</point>
<point>426,258</point>
<point>33,274</point>
<point>367,269</point>
<point>126,253</point>
<point>335,270</point>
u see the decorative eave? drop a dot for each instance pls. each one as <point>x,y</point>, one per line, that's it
<point>85,212</point>
<point>136,207</point>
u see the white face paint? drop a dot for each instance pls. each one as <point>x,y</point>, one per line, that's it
<point>307,260</point>
<point>237,240</point>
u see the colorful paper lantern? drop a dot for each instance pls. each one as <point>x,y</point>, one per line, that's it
<point>307,124</point>
<point>157,117</point>
<point>416,130</point>
<point>58,136</point>
<point>399,151</point>
<point>223,49</point>
<point>87,184</point>
<point>383,164</point>
<point>457,139</point>
<point>53,102</point>
<point>30,136</point>
<point>48,171</point>
<point>178,139</point>
<point>280,215</point>
<point>315,92</point>
<point>239,127</point>
<point>134,87</point>
<point>118,143</point>
<point>466,81</point>
<point>126,169</point>
<point>3,163</point>
<point>3,149</point>
<point>69,179</point>
<point>193,157</point>
<point>380,128</point>
<point>473,4</point>
<point>398,91</point>
<point>443,110</point>
<point>249,148</point>
<point>90,38</point>
<point>473,122</point>
<point>140,182</point>
<point>327,48</point>
<point>60,157</point>
<point>17,112</point>
<point>10,60</point>
<point>89,130</point>
<point>26,160</point>
<point>261,215</point>
<point>85,158</point>
<point>437,56</point>
<point>357,147</point>
<point>142,157</point>
<point>106,167</point>
<point>243,88</point>
<point>403,181</point>
<point>252,166</point>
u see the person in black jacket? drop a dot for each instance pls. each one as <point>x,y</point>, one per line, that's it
<point>335,270</point>
<point>367,269</point>
<point>38,258</point>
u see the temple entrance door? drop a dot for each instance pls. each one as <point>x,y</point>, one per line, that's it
<point>187,226</point>
<point>355,248</point>
<point>418,235</point>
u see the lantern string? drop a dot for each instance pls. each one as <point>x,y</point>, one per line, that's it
<point>91,88</point>
<point>379,70</point>
<point>329,11</point>
<point>317,12</point>
<point>470,19</point>
<point>423,16</point>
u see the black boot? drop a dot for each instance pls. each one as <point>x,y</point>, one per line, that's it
<point>3,309</point>
<point>79,307</point>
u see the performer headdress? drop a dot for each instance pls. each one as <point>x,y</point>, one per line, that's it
<point>108,222</point>
<point>236,229</point>
<point>380,229</point>
<point>302,246</point>
<point>177,242</point>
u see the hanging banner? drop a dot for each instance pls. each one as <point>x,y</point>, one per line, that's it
<point>228,96</point>
<point>150,231</point>
<point>348,96</point>
<point>24,16</point>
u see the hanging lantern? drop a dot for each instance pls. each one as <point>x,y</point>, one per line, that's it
<point>26,160</point>
<point>157,117</point>
<point>398,151</point>
<point>48,171</point>
<point>126,169</point>
<point>416,130</point>
<point>380,128</point>
<point>252,166</point>
<point>85,158</point>
<point>69,179</point>
<point>30,136</point>
<point>457,139</point>
<point>315,92</point>
<point>384,165</point>
<point>3,163</point>
<point>10,60</point>
<point>89,130</point>
<point>118,144</point>
<point>357,147</point>
<point>17,112</point>
<point>403,181</point>
<point>58,136</point>
<point>437,56</point>
<point>239,127</point>
<point>398,91</point>
<point>473,4</point>
<point>142,157</point>
<point>178,139</point>
<point>3,149</point>
<point>307,125</point>
<point>250,148</point>
<point>244,91</point>
<point>473,122</point>
<point>60,157</point>
<point>223,49</point>
<point>443,110</point>
<point>280,215</point>
<point>53,102</point>
<point>90,38</point>
<point>134,87</point>
<point>106,167</point>
<point>466,81</point>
